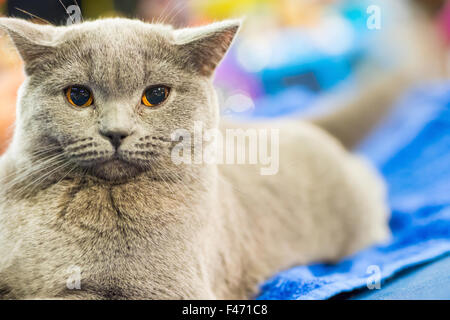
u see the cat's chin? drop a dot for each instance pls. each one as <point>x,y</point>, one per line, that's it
<point>115,171</point>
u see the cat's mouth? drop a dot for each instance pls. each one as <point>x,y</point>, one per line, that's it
<point>115,168</point>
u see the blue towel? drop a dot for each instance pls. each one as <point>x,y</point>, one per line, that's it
<point>412,150</point>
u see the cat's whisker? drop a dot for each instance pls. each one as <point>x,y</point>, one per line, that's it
<point>33,15</point>
<point>40,151</point>
<point>21,171</point>
<point>160,18</point>
<point>25,173</point>
<point>39,181</point>
<point>35,183</point>
<point>20,193</point>
<point>169,17</point>
<point>181,7</point>
<point>43,152</point>
<point>47,148</point>
<point>67,174</point>
<point>161,13</point>
<point>30,171</point>
<point>174,12</point>
<point>165,182</point>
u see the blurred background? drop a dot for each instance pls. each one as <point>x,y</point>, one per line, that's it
<point>290,54</point>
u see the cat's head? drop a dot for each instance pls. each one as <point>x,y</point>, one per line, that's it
<point>107,94</point>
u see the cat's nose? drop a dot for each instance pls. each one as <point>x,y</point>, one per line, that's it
<point>116,123</point>
<point>115,137</point>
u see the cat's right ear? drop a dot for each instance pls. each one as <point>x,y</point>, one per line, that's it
<point>32,41</point>
<point>202,48</point>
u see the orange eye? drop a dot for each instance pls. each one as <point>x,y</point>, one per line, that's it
<point>154,96</point>
<point>79,96</point>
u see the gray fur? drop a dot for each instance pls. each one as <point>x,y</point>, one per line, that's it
<point>146,228</point>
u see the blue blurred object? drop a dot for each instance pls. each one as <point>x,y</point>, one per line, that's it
<point>301,63</point>
<point>412,150</point>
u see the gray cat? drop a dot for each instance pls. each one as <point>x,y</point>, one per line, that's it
<point>90,189</point>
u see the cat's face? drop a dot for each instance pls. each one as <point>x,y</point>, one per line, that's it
<point>110,93</point>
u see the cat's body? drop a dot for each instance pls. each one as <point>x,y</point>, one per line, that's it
<point>141,240</point>
<point>158,230</point>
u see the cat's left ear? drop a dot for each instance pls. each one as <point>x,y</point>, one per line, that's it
<point>202,48</point>
<point>32,41</point>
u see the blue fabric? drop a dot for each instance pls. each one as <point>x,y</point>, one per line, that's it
<point>425,282</point>
<point>412,150</point>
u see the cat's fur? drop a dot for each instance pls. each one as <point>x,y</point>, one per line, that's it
<point>150,228</point>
